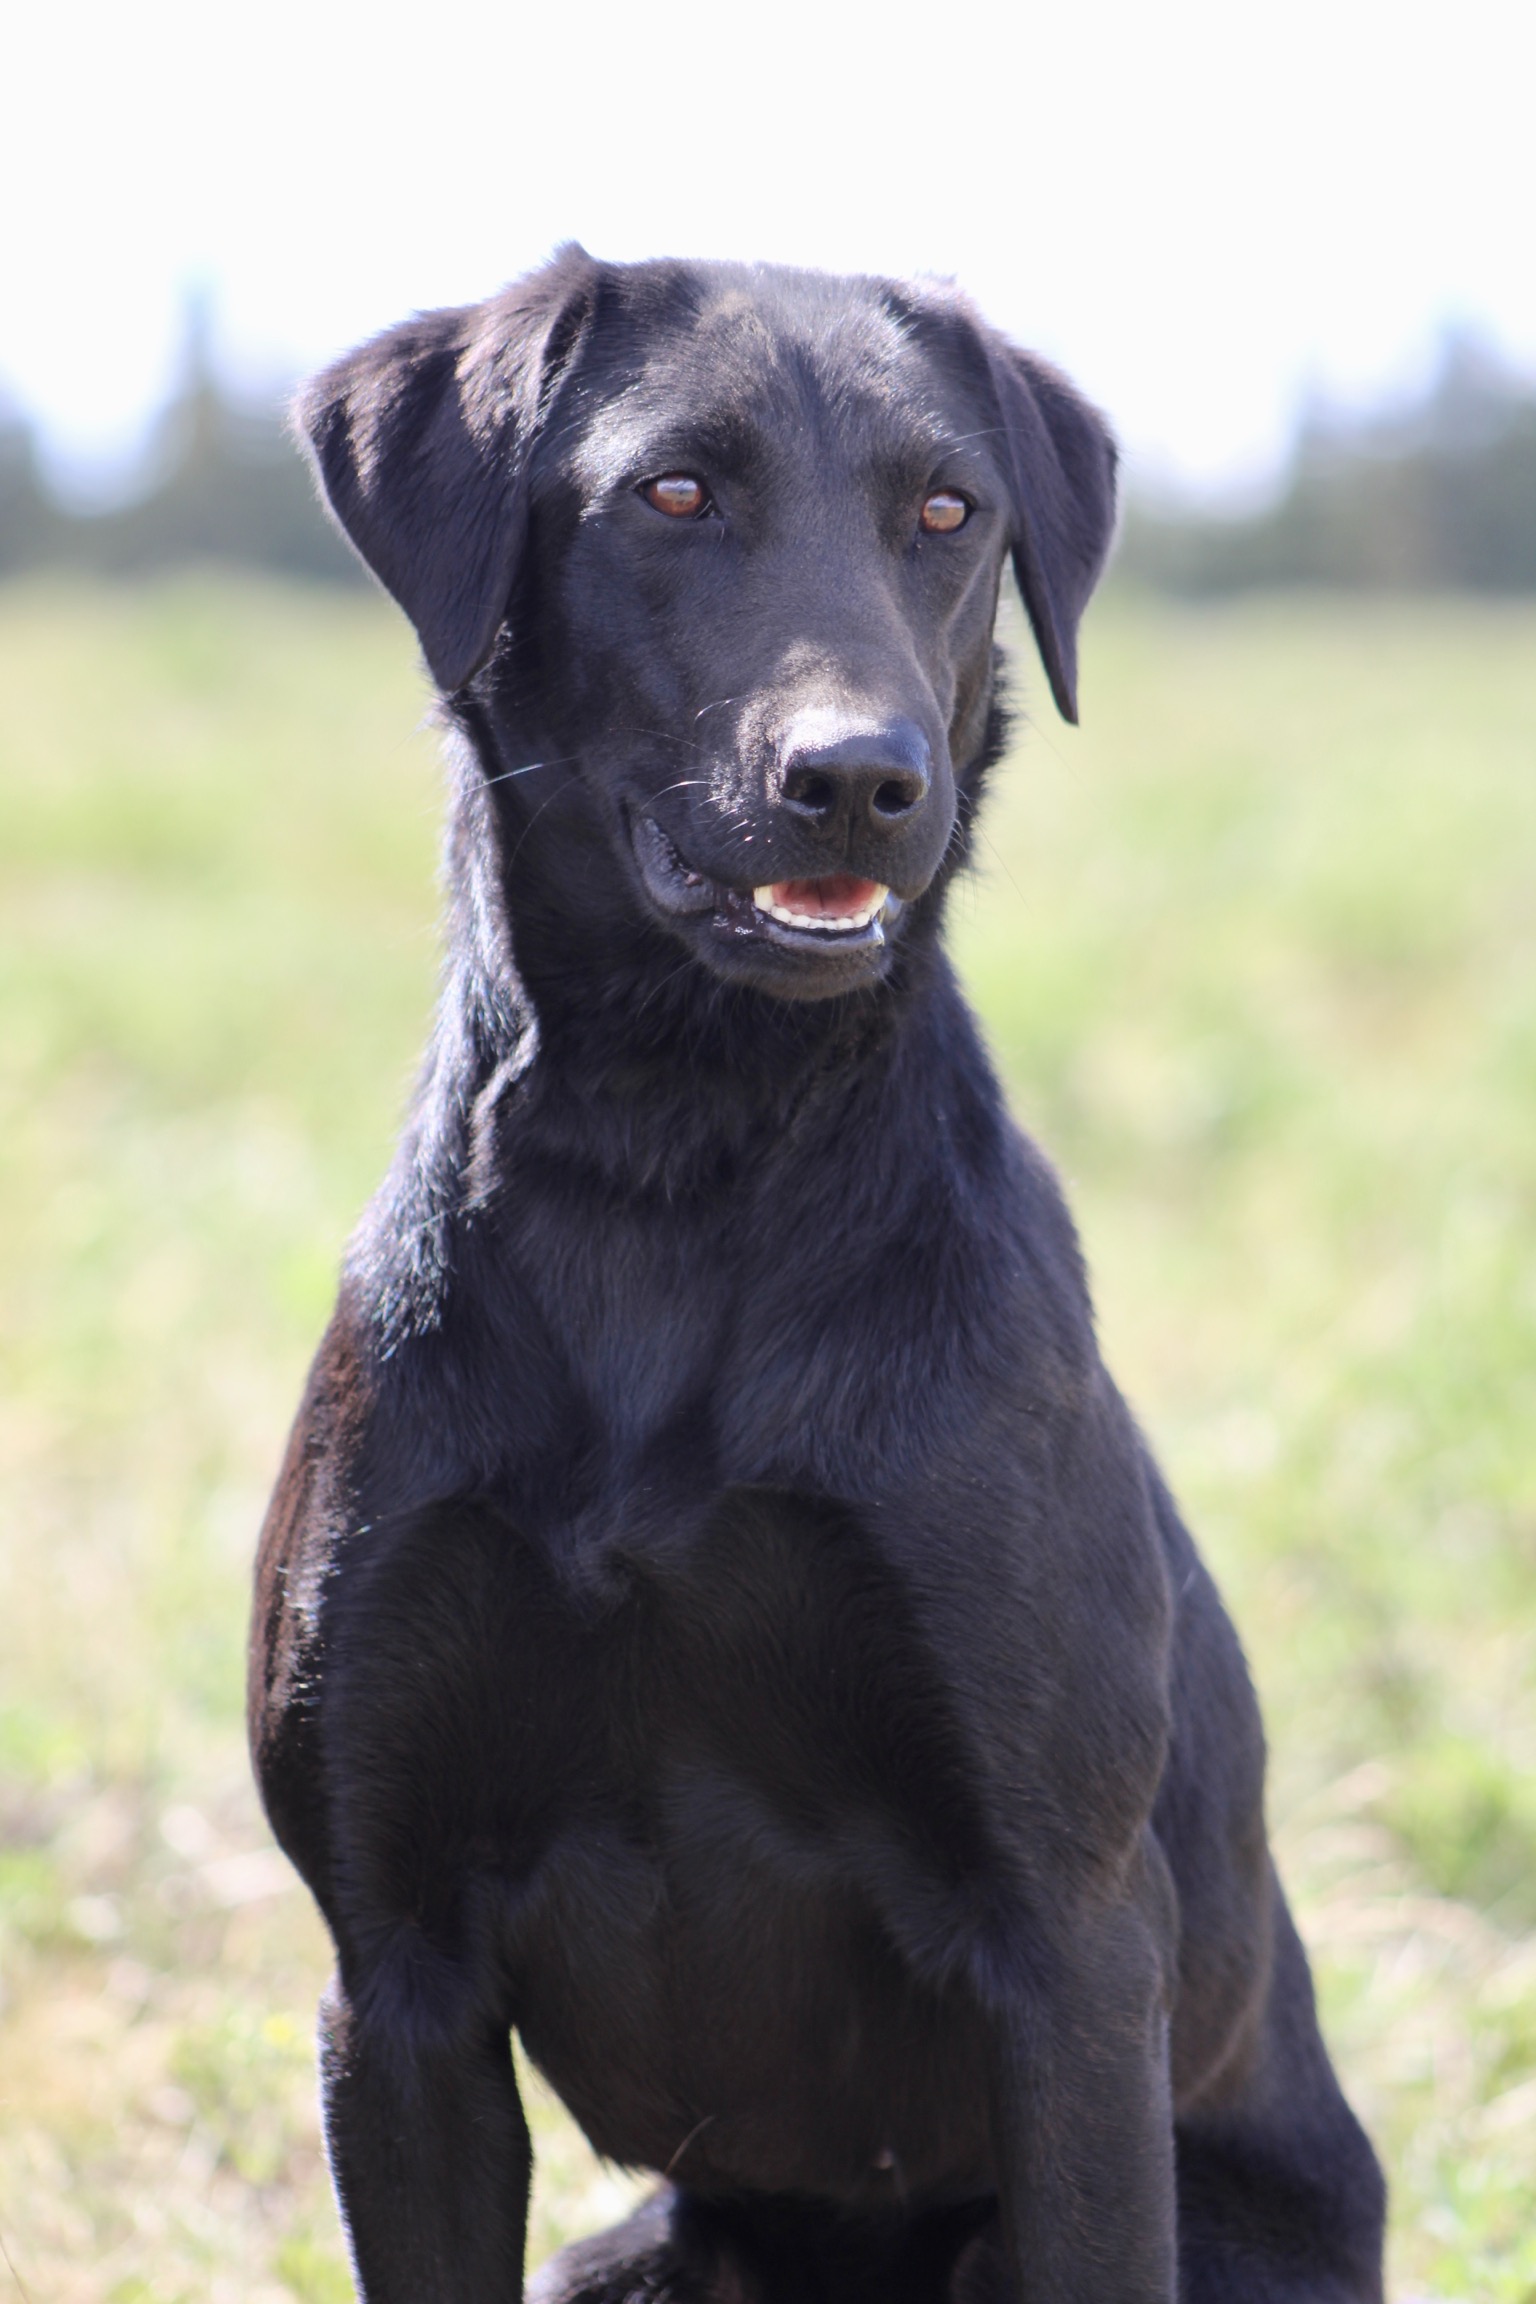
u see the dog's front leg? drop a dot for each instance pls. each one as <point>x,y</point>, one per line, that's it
<point>1082,2119</point>
<point>430,2155</point>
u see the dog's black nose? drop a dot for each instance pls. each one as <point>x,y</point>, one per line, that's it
<point>868,779</point>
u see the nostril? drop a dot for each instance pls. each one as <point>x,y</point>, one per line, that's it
<point>896,795</point>
<point>807,788</point>
<point>872,777</point>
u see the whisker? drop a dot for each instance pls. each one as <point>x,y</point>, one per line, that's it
<point>662,735</point>
<point>657,989</point>
<point>1002,859</point>
<point>559,790</point>
<point>506,774</point>
<point>692,2137</point>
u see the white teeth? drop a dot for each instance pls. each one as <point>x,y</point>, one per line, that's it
<point>832,924</point>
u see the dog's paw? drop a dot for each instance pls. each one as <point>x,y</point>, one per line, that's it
<point>644,2260</point>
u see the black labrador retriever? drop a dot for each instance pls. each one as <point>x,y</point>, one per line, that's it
<point>717,1616</point>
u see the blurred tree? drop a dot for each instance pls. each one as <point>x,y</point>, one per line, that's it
<point>26,515</point>
<point>1440,495</point>
<point>1437,496</point>
<point>224,482</point>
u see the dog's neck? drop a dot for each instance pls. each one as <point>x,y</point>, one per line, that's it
<point>580,1041</point>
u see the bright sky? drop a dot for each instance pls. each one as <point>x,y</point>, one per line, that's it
<point>1200,207</point>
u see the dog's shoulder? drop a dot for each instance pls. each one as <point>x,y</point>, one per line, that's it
<point>306,1521</point>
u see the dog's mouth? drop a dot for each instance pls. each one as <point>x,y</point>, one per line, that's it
<point>835,911</point>
<point>840,904</point>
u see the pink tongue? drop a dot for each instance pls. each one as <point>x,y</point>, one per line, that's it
<point>830,899</point>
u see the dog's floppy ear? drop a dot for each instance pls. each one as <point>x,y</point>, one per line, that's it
<point>420,441</point>
<point>1061,457</point>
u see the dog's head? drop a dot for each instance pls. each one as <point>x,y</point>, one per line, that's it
<point>726,543</point>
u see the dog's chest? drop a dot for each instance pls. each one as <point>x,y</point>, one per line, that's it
<point>760,1823</point>
<point>636,1302</point>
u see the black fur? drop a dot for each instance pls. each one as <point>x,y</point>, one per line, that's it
<point>717,1616</point>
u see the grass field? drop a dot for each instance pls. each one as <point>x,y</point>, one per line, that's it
<point>1257,953</point>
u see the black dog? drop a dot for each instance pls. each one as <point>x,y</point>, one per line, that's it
<point>717,1615</point>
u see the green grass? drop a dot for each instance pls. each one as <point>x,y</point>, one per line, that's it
<point>1255,951</point>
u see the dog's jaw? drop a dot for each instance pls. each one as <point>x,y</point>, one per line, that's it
<point>803,938</point>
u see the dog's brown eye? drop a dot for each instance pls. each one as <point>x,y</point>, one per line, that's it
<point>943,512</point>
<point>677,494</point>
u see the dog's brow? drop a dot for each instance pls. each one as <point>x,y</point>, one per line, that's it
<point>951,443</point>
<point>634,441</point>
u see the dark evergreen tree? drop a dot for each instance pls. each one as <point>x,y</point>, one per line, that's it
<point>224,482</point>
<point>1437,496</point>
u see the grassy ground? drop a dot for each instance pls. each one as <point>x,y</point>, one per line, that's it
<point>1256,953</point>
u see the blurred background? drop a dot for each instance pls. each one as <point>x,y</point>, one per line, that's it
<point>1254,948</point>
